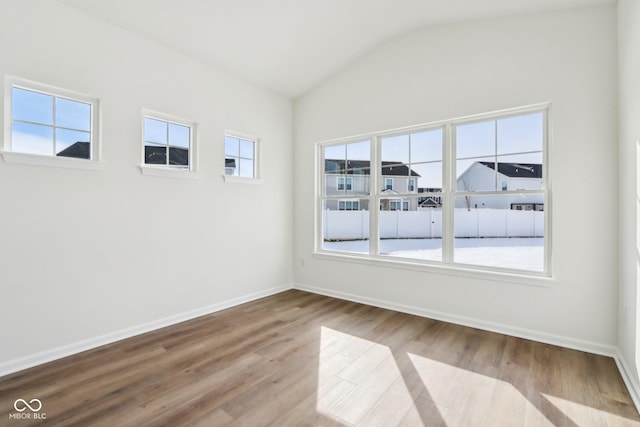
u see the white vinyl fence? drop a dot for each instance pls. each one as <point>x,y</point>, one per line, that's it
<point>427,224</point>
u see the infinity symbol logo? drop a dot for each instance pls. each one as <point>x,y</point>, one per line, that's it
<point>26,405</point>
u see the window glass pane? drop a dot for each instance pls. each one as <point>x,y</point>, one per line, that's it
<point>71,143</point>
<point>475,139</point>
<point>358,151</point>
<point>246,149</point>
<point>505,231</point>
<point>342,174</point>
<point>178,156</point>
<point>476,174</point>
<point>337,152</point>
<point>429,176</point>
<point>520,134</point>
<point>179,136</point>
<point>32,106</point>
<point>426,146</point>
<point>246,168</point>
<point>231,146</point>
<point>155,131</point>
<point>73,114</point>
<point>345,230</point>
<point>155,154</point>
<point>414,232</point>
<point>395,149</point>
<point>32,139</point>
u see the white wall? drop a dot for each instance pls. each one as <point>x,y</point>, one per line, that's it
<point>85,254</point>
<point>629,89</point>
<point>567,58</point>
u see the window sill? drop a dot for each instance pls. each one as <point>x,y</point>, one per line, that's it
<point>168,172</point>
<point>515,277</point>
<point>242,180</point>
<point>50,161</point>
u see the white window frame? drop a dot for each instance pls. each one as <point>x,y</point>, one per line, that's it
<point>257,157</point>
<point>9,156</point>
<point>447,195</point>
<point>170,171</point>
<point>411,185</point>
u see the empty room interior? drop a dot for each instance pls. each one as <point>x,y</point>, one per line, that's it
<point>393,213</point>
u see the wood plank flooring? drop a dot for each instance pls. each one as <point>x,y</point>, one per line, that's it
<point>299,359</point>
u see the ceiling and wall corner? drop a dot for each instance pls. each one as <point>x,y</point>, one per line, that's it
<point>290,46</point>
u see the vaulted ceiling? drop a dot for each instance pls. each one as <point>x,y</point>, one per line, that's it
<point>290,46</point>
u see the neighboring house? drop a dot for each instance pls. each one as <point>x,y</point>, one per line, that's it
<point>509,177</point>
<point>78,150</point>
<point>352,177</point>
<point>429,201</point>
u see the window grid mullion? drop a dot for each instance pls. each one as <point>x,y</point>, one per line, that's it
<point>167,163</point>
<point>449,166</point>
<point>53,120</point>
<point>375,174</point>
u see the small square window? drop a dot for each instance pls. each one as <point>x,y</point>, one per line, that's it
<point>50,123</point>
<point>167,143</point>
<point>240,156</point>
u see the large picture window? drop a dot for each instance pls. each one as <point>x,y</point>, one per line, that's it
<point>469,193</point>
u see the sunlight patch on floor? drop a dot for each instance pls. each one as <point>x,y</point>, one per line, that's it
<point>465,395</point>
<point>359,382</point>
<point>583,415</point>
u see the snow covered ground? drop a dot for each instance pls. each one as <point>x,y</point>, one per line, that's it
<point>516,253</point>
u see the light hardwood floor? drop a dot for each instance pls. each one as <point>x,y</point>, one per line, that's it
<point>299,359</point>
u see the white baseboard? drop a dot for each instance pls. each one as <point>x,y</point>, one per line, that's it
<point>57,353</point>
<point>543,337</point>
<point>633,387</point>
<point>67,350</point>
<point>629,380</point>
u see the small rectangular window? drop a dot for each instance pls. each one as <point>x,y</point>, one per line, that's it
<point>50,122</point>
<point>388,183</point>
